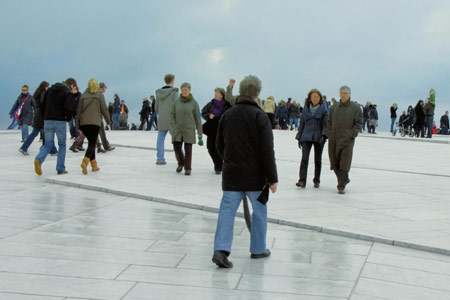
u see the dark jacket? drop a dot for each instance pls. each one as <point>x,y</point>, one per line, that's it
<point>38,121</point>
<point>366,110</point>
<point>282,113</point>
<point>58,104</point>
<point>420,115</point>
<point>429,108</point>
<point>145,110</point>
<point>211,125</point>
<point>245,142</point>
<point>293,112</point>
<point>394,112</point>
<point>373,113</point>
<point>444,121</point>
<point>26,115</point>
<point>313,126</point>
<point>116,106</point>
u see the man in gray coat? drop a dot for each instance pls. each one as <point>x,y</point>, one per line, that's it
<point>344,124</point>
<point>165,98</point>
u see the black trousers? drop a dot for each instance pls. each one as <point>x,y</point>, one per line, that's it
<point>216,158</point>
<point>185,159</point>
<point>306,150</point>
<point>91,133</point>
<point>143,121</point>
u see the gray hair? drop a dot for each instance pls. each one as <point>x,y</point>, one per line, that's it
<point>250,86</point>
<point>185,84</point>
<point>346,88</point>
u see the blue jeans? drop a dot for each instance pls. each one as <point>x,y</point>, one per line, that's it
<point>160,146</point>
<point>50,129</point>
<point>153,120</point>
<point>444,130</point>
<point>13,124</point>
<point>392,124</point>
<point>225,223</point>
<point>430,126</point>
<point>31,138</point>
<point>293,121</point>
<point>115,121</point>
<point>25,132</point>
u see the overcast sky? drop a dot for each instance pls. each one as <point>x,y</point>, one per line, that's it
<point>386,51</point>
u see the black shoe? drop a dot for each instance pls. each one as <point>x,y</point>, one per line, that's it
<point>73,149</point>
<point>187,172</point>
<point>262,255</point>
<point>161,163</point>
<point>218,172</point>
<point>81,149</point>
<point>301,184</point>
<point>179,169</point>
<point>316,185</point>
<point>341,191</point>
<point>220,258</point>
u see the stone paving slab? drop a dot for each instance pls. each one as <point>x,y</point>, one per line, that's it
<point>68,243</point>
<point>390,199</point>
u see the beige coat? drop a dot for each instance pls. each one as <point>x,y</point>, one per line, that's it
<point>91,108</point>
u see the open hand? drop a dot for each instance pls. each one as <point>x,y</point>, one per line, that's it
<point>273,187</point>
<point>232,82</point>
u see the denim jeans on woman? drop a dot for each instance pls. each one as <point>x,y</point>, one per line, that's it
<point>225,223</point>
<point>392,124</point>
<point>31,138</point>
<point>52,128</point>
<point>430,126</point>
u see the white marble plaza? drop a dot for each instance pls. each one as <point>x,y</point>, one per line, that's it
<point>60,242</point>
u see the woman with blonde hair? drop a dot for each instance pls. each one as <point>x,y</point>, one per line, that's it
<point>91,108</point>
<point>269,108</point>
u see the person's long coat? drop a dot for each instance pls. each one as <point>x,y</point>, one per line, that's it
<point>26,115</point>
<point>185,119</point>
<point>344,124</point>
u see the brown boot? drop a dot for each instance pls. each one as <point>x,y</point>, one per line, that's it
<point>84,165</point>
<point>94,166</point>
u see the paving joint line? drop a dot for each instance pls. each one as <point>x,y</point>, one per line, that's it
<point>360,273</point>
<point>364,237</point>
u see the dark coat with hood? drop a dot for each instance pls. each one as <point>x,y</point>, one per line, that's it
<point>59,103</point>
<point>313,126</point>
<point>245,142</point>
<point>344,124</point>
<point>26,115</point>
<point>165,98</point>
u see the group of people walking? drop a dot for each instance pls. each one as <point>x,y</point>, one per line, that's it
<point>239,131</point>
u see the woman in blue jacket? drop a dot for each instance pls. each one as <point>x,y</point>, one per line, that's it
<point>312,132</point>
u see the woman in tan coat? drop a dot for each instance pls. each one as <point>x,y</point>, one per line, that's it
<point>91,108</point>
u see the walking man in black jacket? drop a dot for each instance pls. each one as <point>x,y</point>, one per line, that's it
<point>245,142</point>
<point>57,108</point>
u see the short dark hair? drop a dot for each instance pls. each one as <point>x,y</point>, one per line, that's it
<point>71,81</point>
<point>169,78</point>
